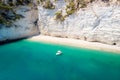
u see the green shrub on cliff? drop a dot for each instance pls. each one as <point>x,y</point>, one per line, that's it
<point>7,13</point>
<point>74,5</point>
<point>70,8</point>
<point>5,17</point>
<point>5,7</point>
<point>59,16</point>
<point>48,5</point>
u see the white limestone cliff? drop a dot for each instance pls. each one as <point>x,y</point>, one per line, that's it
<point>99,22</point>
<point>23,27</point>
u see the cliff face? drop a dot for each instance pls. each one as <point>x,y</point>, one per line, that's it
<point>90,20</point>
<point>25,26</point>
<point>99,22</point>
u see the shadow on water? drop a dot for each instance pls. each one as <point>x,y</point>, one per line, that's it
<point>11,41</point>
<point>7,41</point>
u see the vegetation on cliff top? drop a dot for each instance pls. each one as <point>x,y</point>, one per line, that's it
<point>71,7</point>
<point>46,4</point>
<point>5,17</point>
<point>7,13</point>
<point>74,5</point>
<point>59,16</point>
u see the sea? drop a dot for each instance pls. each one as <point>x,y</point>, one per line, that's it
<point>30,60</point>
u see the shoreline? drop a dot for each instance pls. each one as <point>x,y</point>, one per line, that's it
<point>76,43</point>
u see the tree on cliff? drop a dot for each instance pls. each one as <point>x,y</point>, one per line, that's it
<point>7,13</point>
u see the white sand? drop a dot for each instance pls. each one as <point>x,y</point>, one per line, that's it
<point>76,43</point>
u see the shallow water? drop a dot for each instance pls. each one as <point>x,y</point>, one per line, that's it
<point>26,60</point>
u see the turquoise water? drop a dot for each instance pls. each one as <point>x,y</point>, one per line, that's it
<point>25,60</point>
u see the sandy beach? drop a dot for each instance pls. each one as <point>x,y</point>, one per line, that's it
<point>76,43</point>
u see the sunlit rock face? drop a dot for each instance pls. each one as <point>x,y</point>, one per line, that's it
<point>23,27</point>
<point>99,22</point>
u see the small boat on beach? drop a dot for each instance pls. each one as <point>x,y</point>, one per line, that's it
<point>58,52</point>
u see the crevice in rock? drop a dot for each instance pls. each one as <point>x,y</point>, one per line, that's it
<point>114,43</point>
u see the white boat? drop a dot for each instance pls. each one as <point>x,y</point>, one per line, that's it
<point>59,52</point>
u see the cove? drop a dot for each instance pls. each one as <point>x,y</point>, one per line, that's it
<point>27,60</point>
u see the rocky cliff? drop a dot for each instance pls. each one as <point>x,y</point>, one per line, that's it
<point>90,20</point>
<point>26,24</point>
<point>99,21</point>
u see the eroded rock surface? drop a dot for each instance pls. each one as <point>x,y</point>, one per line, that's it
<point>23,27</point>
<point>98,23</point>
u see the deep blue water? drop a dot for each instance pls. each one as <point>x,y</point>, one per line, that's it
<point>26,60</point>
